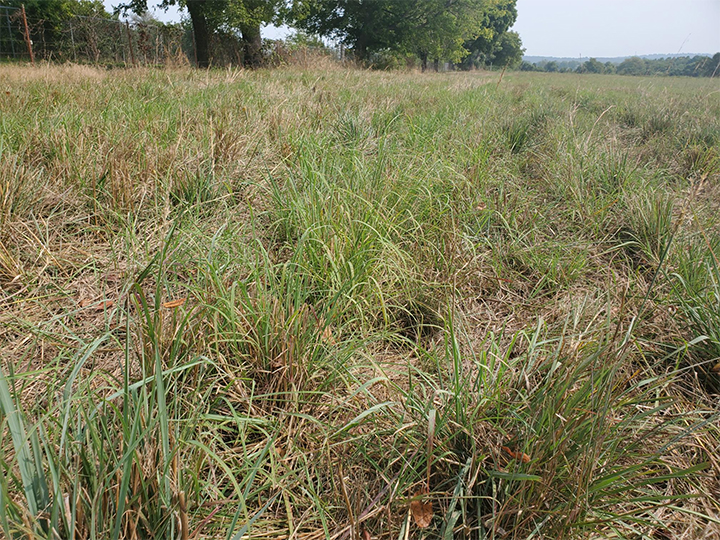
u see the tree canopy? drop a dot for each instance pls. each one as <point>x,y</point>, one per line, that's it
<point>439,29</point>
<point>52,13</point>
<point>474,32</point>
<point>496,19</point>
<point>509,51</point>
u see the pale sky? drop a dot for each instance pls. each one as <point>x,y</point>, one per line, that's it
<point>618,27</point>
<point>595,27</point>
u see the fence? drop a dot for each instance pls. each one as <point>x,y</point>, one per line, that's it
<point>111,42</point>
<point>92,40</point>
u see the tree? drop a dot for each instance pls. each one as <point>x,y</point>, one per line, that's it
<point>434,29</point>
<point>211,16</point>
<point>713,67</point>
<point>363,26</point>
<point>592,66</point>
<point>53,13</point>
<point>497,17</point>
<point>47,22</point>
<point>510,52</point>
<point>707,67</point>
<point>248,16</point>
<point>443,27</point>
<point>632,66</point>
<point>57,11</point>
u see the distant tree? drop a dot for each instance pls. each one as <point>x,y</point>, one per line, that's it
<point>697,66</point>
<point>592,66</point>
<point>712,68</point>
<point>632,66</point>
<point>527,66</point>
<point>510,52</point>
<point>707,67</point>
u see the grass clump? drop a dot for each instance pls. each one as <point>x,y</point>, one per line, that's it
<point>300,303</point>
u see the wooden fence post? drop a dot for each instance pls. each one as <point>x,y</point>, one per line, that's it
<point>27,36</point>
<point>501,76</point>
<point>132,53</point>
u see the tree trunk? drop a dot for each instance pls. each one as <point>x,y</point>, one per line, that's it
<point>423,61</point>
<point>200,32</point>
<point>253,45</point>
<point>436,65</point>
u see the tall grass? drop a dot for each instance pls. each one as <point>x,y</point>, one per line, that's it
<point>287,304</point>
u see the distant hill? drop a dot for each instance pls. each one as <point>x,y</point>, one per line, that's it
<point>614,59</point>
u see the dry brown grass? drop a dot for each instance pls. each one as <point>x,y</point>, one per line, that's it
<point>315,220</point>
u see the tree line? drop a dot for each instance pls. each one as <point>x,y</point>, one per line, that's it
<point>466,33</point>
<point>687,66</point>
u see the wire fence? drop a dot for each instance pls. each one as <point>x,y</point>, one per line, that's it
<point>10,30</point>
<point>111,42</point>
<point>95,40</point>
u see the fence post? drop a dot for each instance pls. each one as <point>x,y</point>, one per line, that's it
<point>132,53</point>
<point>27,36</point>
<point>72,40</point>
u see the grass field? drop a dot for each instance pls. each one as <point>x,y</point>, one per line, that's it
<point>299,304</point>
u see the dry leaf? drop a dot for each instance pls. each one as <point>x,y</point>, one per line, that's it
<point>521,456</point>
<point>716,368</point>
<point>422,512</point>
<point>365,534</point>
<point>106,304</point>
<point>84,303</point>
<point>174,303</point>
<point>328,337</point>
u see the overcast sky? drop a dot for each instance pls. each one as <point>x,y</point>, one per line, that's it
<point>597,27</point>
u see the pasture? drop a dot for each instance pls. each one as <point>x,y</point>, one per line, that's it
<point>302,304</point>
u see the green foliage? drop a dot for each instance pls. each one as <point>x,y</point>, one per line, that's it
<point>54,12</point>
<point>510,50</point>
<point>431,29</point>
<point>491,39</point>
<point>46,18</point>
<point>591,66</point>
<point>697,66</point>
<point>300,39</point>
<point>633,66</point>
